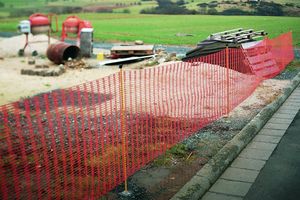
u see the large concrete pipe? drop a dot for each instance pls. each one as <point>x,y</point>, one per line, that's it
<point>61,52</point>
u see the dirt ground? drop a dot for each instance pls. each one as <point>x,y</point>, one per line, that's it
<point>14,86</point>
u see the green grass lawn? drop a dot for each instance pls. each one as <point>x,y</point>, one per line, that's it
<point>161,29</point>
<point>4,14</point>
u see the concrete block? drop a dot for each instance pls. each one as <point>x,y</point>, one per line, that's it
<point>245,163</point>
<point>231,187</point>
<point>193,190</point>
<point>216,166</point>
<point>237,174</point>
<point>271,132</point>
<point>256,154</point>
<point>267,139</point>
<point>216,196</point>
<point>262,145</point>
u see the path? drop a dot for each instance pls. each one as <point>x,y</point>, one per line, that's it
<point>262,171</point>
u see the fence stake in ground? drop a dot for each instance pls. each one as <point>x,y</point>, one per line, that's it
<point>123,133</point>
<point>227,79</point>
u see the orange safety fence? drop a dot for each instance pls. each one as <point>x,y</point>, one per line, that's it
<point>269,57</point>
<point>81,142</point>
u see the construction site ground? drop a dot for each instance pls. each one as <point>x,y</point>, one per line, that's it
<point>167,174</point>
<point>14,85</point>
<point>162,178</point>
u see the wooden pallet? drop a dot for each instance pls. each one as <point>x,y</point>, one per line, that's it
<point>132,50</point>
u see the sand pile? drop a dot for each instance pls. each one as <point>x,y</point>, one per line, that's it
<point>9,47</point>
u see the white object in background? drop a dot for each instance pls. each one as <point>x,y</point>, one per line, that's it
<point>123,60</point>
<point>24,26</point>
<point>249,45</point>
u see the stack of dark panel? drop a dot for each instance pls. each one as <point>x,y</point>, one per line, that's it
<point>219,41</point>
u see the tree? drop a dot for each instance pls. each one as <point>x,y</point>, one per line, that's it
<point>180,2</point>
<point>202,5</point>
<point>235,11</point>
<point>164,3</point>
<point>269,9</point>
<point>212,11</point>
<point>127,11</point>
<point>167,7</point>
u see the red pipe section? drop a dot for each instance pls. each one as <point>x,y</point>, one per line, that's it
<point>61,52</point>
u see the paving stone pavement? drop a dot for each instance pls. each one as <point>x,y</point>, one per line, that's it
<point>237,179</point>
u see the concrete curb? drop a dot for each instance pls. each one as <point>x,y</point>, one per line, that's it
<point>210,172</point>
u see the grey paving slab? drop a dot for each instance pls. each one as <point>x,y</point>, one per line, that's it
<point>230,187</point>
<point>284,116</point>
<point>238,174</point>
<point>217,196</point>
<point>262,145</point>
<point>275,120</point>
<point>288,104</point>
<point>296,96</point>
<point>296,91</point>
<point>267,138</point>
<point>291,103</point>
<point>295,101</point>
<point>288,101</point>
<point>256,154</point>
<point>280,177</point>
<point>291,106</point>
<point>245,163</point>
<point>293,96</point>
<point>236,181</point>
<point>287,111</point>
<point>276,126</point>
<point>271,132</point>
<point>292,99</point>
